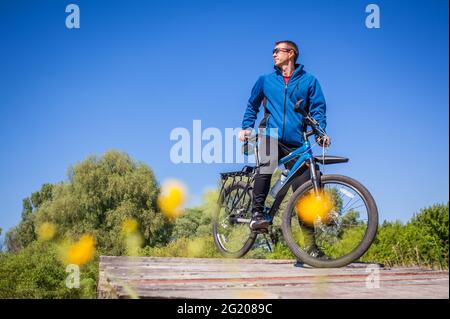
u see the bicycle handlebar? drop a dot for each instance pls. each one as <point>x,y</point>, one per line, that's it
<point>254,137</point>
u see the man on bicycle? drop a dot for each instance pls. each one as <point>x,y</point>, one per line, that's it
<point>281,128</point>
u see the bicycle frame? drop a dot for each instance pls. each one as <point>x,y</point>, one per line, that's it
<point>304,154</point>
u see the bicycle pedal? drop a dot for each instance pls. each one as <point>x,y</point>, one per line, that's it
<point>259,225</point>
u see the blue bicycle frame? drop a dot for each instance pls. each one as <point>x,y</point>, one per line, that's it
<point>304,154</point>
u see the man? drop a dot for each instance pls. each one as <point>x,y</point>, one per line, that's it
<point>282,127</point>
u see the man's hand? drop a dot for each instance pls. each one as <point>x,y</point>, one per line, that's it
<point>323,141</point>
<point>243,134</point>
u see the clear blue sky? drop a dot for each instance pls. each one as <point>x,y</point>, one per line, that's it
<point>137,69</point>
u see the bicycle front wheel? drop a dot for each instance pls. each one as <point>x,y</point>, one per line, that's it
<point>340,237</point>
<point>232,234</point>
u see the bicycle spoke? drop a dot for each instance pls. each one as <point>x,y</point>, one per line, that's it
<point>341,232</point>
<point>343,208</point>
<point>362,205</point>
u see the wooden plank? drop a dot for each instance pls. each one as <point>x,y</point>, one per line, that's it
<point>156,277</point>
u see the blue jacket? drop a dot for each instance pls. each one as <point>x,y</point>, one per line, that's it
<point>280,101</point>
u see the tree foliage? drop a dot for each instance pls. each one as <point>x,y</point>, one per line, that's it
<point>25,233</point>
<point>100,194</point>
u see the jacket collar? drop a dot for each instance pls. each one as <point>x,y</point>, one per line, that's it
<point>298,69</point>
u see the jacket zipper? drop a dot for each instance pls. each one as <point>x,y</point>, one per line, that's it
<point>284,112</point>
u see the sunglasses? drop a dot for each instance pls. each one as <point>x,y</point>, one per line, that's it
<point>275,51</point>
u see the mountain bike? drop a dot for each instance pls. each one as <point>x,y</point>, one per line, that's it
<point>343,235</point>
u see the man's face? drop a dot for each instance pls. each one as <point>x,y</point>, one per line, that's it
<point>282,53</point>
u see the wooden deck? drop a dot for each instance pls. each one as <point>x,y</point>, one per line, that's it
<point>154,277</point>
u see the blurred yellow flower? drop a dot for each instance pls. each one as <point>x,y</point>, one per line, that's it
<point>80,252</point>
<point>312,207</point>
<point>133,242</point>
<point>131,236</point>
<point>46,231</point>
<point>129,226</point>
<point>171,199</point>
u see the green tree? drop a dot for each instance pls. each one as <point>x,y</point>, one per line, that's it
<point>187,225</point>
<point>196,221</point>
<point>101,193</point>
<point>24,233</point>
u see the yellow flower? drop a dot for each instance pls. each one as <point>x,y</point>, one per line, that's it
<point>133,243</point>
<point>171,199</point>
<point>131,236</point>
<point>129,226</point>
<point>312,207</point>
<point>81,252</point>
<point>46,231</point>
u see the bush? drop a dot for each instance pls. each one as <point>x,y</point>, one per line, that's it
<point>423,241</point>
<point>281,251</point>
<point>199,247</point>
<point>36,272</point>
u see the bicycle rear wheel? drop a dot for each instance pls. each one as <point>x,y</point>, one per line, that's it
<point>232,234</point>
<point>343,235</point>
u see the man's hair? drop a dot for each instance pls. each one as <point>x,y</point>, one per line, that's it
<point>292,45</point>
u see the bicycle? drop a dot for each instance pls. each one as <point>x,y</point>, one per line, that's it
<point>344,235</point>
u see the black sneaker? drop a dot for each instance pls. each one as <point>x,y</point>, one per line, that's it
<point>258,221</point>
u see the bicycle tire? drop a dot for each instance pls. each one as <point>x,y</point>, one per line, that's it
<point>251,239</point>
<point>363,246</point>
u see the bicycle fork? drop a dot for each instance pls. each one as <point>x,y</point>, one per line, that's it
<point>314,178</point>
<point>312,168</point>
